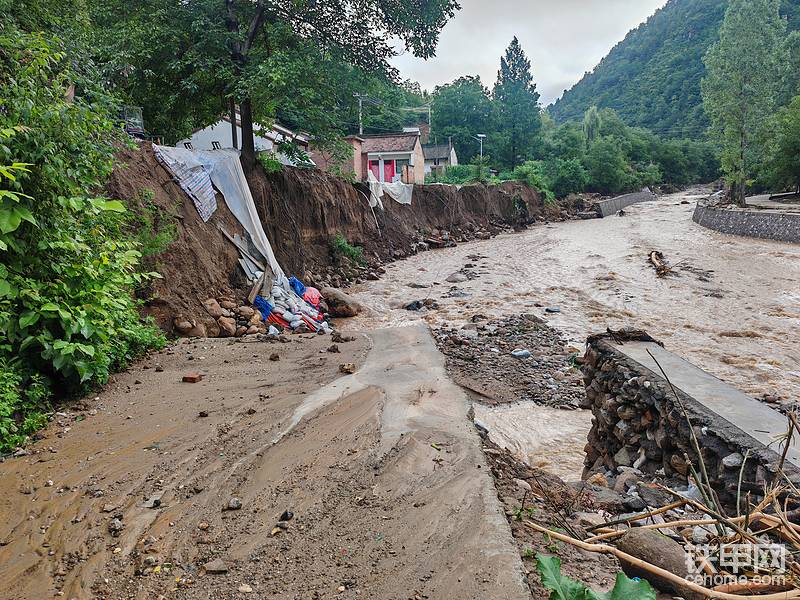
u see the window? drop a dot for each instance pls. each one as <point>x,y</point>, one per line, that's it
<point>216,145</point>
<point>188,145</point>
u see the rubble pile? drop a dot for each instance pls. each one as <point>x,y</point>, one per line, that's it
<point>511,360</point>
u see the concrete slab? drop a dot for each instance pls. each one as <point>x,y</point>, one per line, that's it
<point>740,410</point>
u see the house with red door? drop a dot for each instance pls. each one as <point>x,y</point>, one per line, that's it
<point>390,157</point>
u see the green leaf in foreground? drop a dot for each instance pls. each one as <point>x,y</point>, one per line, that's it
<point>564,588</point>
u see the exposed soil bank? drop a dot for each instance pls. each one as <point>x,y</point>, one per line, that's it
<point>301,211</point>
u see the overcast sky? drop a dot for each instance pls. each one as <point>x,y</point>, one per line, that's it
<point>562,38</point>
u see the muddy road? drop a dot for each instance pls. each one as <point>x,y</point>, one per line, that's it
<point>732,306</point>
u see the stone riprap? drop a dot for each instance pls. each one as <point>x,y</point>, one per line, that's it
<point>639,422</point>
<point>612,206</point>
<point>783,226</point>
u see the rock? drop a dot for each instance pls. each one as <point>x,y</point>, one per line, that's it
<point>182,326</point>
<point>233,504</point>
<point>520,353</point>
<point>552,309</point>
<point>228,304</point>
<point>624,481</point>
<point>339,303</point>
<point>202,414</point>
<point>457,277</point>
<point>338,338</point>
<point>213,308</point>
<point>241,330</point>
<point>192,377</point>
<point>153,501</point>
<point>115,527</point>
<point>679,464</point>
<point>245,589</point>
<point>246,312</point>
<point>215,567</point>
<point>625,456</point>
<point>203,525</point>
<point>287,515</point>
<point>347,368</point>
<point>656,549</point>
<point>253,329</point>
<point>415,306</point>
<point>333,348</point>
<point>255,319</point>
<point>598,479</point>
<point>589,519</point>
<point>227,326</point>
<point>652,496</point>
<point>733,461</point>
<point>274,357</point>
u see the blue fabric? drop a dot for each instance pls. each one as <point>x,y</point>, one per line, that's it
<point>264,307</point>
<point>297,286</point>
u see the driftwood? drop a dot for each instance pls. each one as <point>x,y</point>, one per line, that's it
<point>659,263</point>
<point>663,573</point>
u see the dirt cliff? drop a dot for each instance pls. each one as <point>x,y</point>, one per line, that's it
<point>301,211</point>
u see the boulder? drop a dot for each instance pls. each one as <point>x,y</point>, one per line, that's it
<point>656,549</point>
<point>241,330</point>
<point>255,319</point>
<point>199,330</point>
<point>227,326</point>
<point>339,303</point>
<point>228,304</point>
<point>457,277</point>
<point>213,308</point>
<point>246,312</point>
<point>182,326</point>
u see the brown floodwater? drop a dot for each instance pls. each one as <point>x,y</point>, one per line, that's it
<point>732,306</point>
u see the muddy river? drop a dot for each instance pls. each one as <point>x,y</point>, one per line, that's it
<point>732,306</point>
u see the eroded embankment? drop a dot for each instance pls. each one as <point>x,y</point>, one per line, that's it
<point>301,211</point>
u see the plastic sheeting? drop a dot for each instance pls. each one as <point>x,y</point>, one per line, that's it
<point>400,192</point>
<point>192,177</point>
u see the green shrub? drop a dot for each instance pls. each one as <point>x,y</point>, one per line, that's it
<point>151,228</point>
<point>67,314</point>
<point>342,249</point>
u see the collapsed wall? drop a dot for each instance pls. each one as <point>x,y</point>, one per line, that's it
<point>301,211</point>
<point>639,421</point>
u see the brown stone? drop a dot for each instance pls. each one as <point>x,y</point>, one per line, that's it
<point>192,377</point>
<point>227,326</point>
<point>246,312</point>
<point>213,308</point>
<point>656,549</point>
<point>255,319</point>
<point>182,326</point>
<point>339,303</point>
<point>347,368</point>
<point>228,304</point>
<point>241,330</point>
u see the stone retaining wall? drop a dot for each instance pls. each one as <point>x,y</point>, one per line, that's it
<point>612,206</point>
<point>639,423</point>
<point>765,224</point>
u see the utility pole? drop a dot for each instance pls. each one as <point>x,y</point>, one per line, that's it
<point>361,98</point>
<point>480,137</point>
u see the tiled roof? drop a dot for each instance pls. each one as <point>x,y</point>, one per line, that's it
<point>396,142</point>
<point>434,151</point>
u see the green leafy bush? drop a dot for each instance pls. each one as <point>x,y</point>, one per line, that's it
<point>342,249</point>
<point>564,588</point>
<point>152,229</point>
<point>67,314</point>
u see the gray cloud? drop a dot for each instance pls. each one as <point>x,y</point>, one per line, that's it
<point>562,38</point>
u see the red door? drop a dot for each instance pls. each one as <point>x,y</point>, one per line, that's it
<point>388,171</point>
<point>375,167</point>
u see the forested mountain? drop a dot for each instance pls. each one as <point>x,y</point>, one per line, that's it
<point>652,77</point>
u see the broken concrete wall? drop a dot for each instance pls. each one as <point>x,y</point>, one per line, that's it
<point>612,206</point>
<point>639,422</point>
<point>764,224</point>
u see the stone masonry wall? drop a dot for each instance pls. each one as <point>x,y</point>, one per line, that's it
<point>639,423</point>
<point>764,224</point>
<point>612,206</point>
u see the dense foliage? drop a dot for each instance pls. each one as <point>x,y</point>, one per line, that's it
<point>68,270</point>
<point>745,73</point>
<point>652,78</point>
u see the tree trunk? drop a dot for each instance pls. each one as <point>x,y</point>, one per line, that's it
<point>248,141</point>
<point>232,109</point>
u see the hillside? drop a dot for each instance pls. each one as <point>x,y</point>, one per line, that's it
<point>652,77</point>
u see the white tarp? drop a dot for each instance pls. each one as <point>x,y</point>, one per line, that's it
<point>400,192</point>
<point>226,172</point>
<point>192,177</point>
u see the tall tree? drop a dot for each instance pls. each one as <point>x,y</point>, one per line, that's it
<point>214,50</point>
<point>591,125</point>
<point>744,75</point>
<point>517,106</point>
<point>461,110</point>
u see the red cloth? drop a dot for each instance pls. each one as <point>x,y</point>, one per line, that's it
<point>276,320</point>
<point>312,296</point>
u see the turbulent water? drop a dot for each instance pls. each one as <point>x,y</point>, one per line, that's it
<point>731,306</point>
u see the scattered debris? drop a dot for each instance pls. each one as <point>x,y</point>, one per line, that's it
<point>659,263</point>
